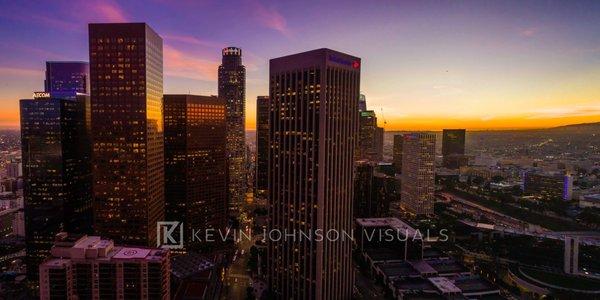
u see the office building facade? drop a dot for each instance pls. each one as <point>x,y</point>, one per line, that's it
<point>548,186</point>
<point>56,153</point>
<point>397,153</point>
<point>67,76</point>
<point>362,102</point>
<point>126,71</point>
<point>195,165</point>
<point>418,173</point>
<point>453,148</point>
<point>262,145</point>
<point>373,191</point>
<point>232,88</point>
<point>312,138</point>
<point>370,142</point>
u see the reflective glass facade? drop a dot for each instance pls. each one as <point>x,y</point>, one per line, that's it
<point>56,172</point>
<point>196,165</point>
<point>453,148</point>
<point>370,142</point>
<point>126,71</point>
<point>67,76</point>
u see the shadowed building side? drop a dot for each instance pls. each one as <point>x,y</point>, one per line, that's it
<point>195,165</point>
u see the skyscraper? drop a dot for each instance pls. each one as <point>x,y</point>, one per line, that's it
<point>397,152</point>
<point>362,103</point>
<point>57,177</point>
<point>312,139</point>
<point>67,76</point>
<point>418,173</point>
<point>262,145</point>
<point>126,69</point>
<point>370,141</point>
<point>373,191</point>
<point>195,164</point>
<point>232,88</point>
<point>453,148</point>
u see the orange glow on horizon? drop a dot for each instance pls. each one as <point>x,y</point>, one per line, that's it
<point>10,120</point>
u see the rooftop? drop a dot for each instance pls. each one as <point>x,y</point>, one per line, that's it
<point>592,197</point>
<point>446,266</point>
<point>385,254</point>
<point>400,269</point>
<point>474,284</point>
<point>83,247</point>
<point>394,223</point>
<point>414,284</point>
<point>422,267</point>
<point>444,285</point>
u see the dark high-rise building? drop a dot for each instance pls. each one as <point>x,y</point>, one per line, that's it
<point>67,76</point>
<point>453,148</point>
<point>126,71</point>
<point>312,139</point>
<point>397,152</point>
<point>370,141</point>
<point>195,164</point>
<point>373,191</point>
<point>418,173</point>
<point>262,145</point>
<point>378,142</point>
<point>232,88</point>
<point>56,171</point>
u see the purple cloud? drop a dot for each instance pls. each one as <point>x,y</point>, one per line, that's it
<point>269,18</point>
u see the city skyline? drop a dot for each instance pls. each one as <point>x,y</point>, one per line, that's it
<point>508,66</point>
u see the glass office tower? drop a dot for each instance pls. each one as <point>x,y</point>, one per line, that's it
<point>57,178</point>
<point>196,165</point>
<point>67,76</point>
<point>126,71</point>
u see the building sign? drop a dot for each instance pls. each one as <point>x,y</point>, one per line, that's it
<point>41,95</point>
<point>342,61</point>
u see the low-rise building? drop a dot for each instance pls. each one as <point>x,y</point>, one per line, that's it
<point>590,201</point>
<point>90,267</point>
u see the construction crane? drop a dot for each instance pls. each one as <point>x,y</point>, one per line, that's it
<point>383,117</point>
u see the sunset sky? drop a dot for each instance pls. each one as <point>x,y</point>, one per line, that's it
<point>425,64</point>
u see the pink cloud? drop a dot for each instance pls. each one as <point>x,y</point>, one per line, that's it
<point>188,39</point>
<point>270,18</point>
<point>110,11</point>
<point>43,20</point>
<point>181,64</point>
<point>97,11</point>
<point>528,32</point>
<point>9,71</point>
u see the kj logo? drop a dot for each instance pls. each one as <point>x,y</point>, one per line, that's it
<point>169,234</point>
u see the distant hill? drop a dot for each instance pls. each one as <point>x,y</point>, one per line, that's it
<point>579,126</point>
